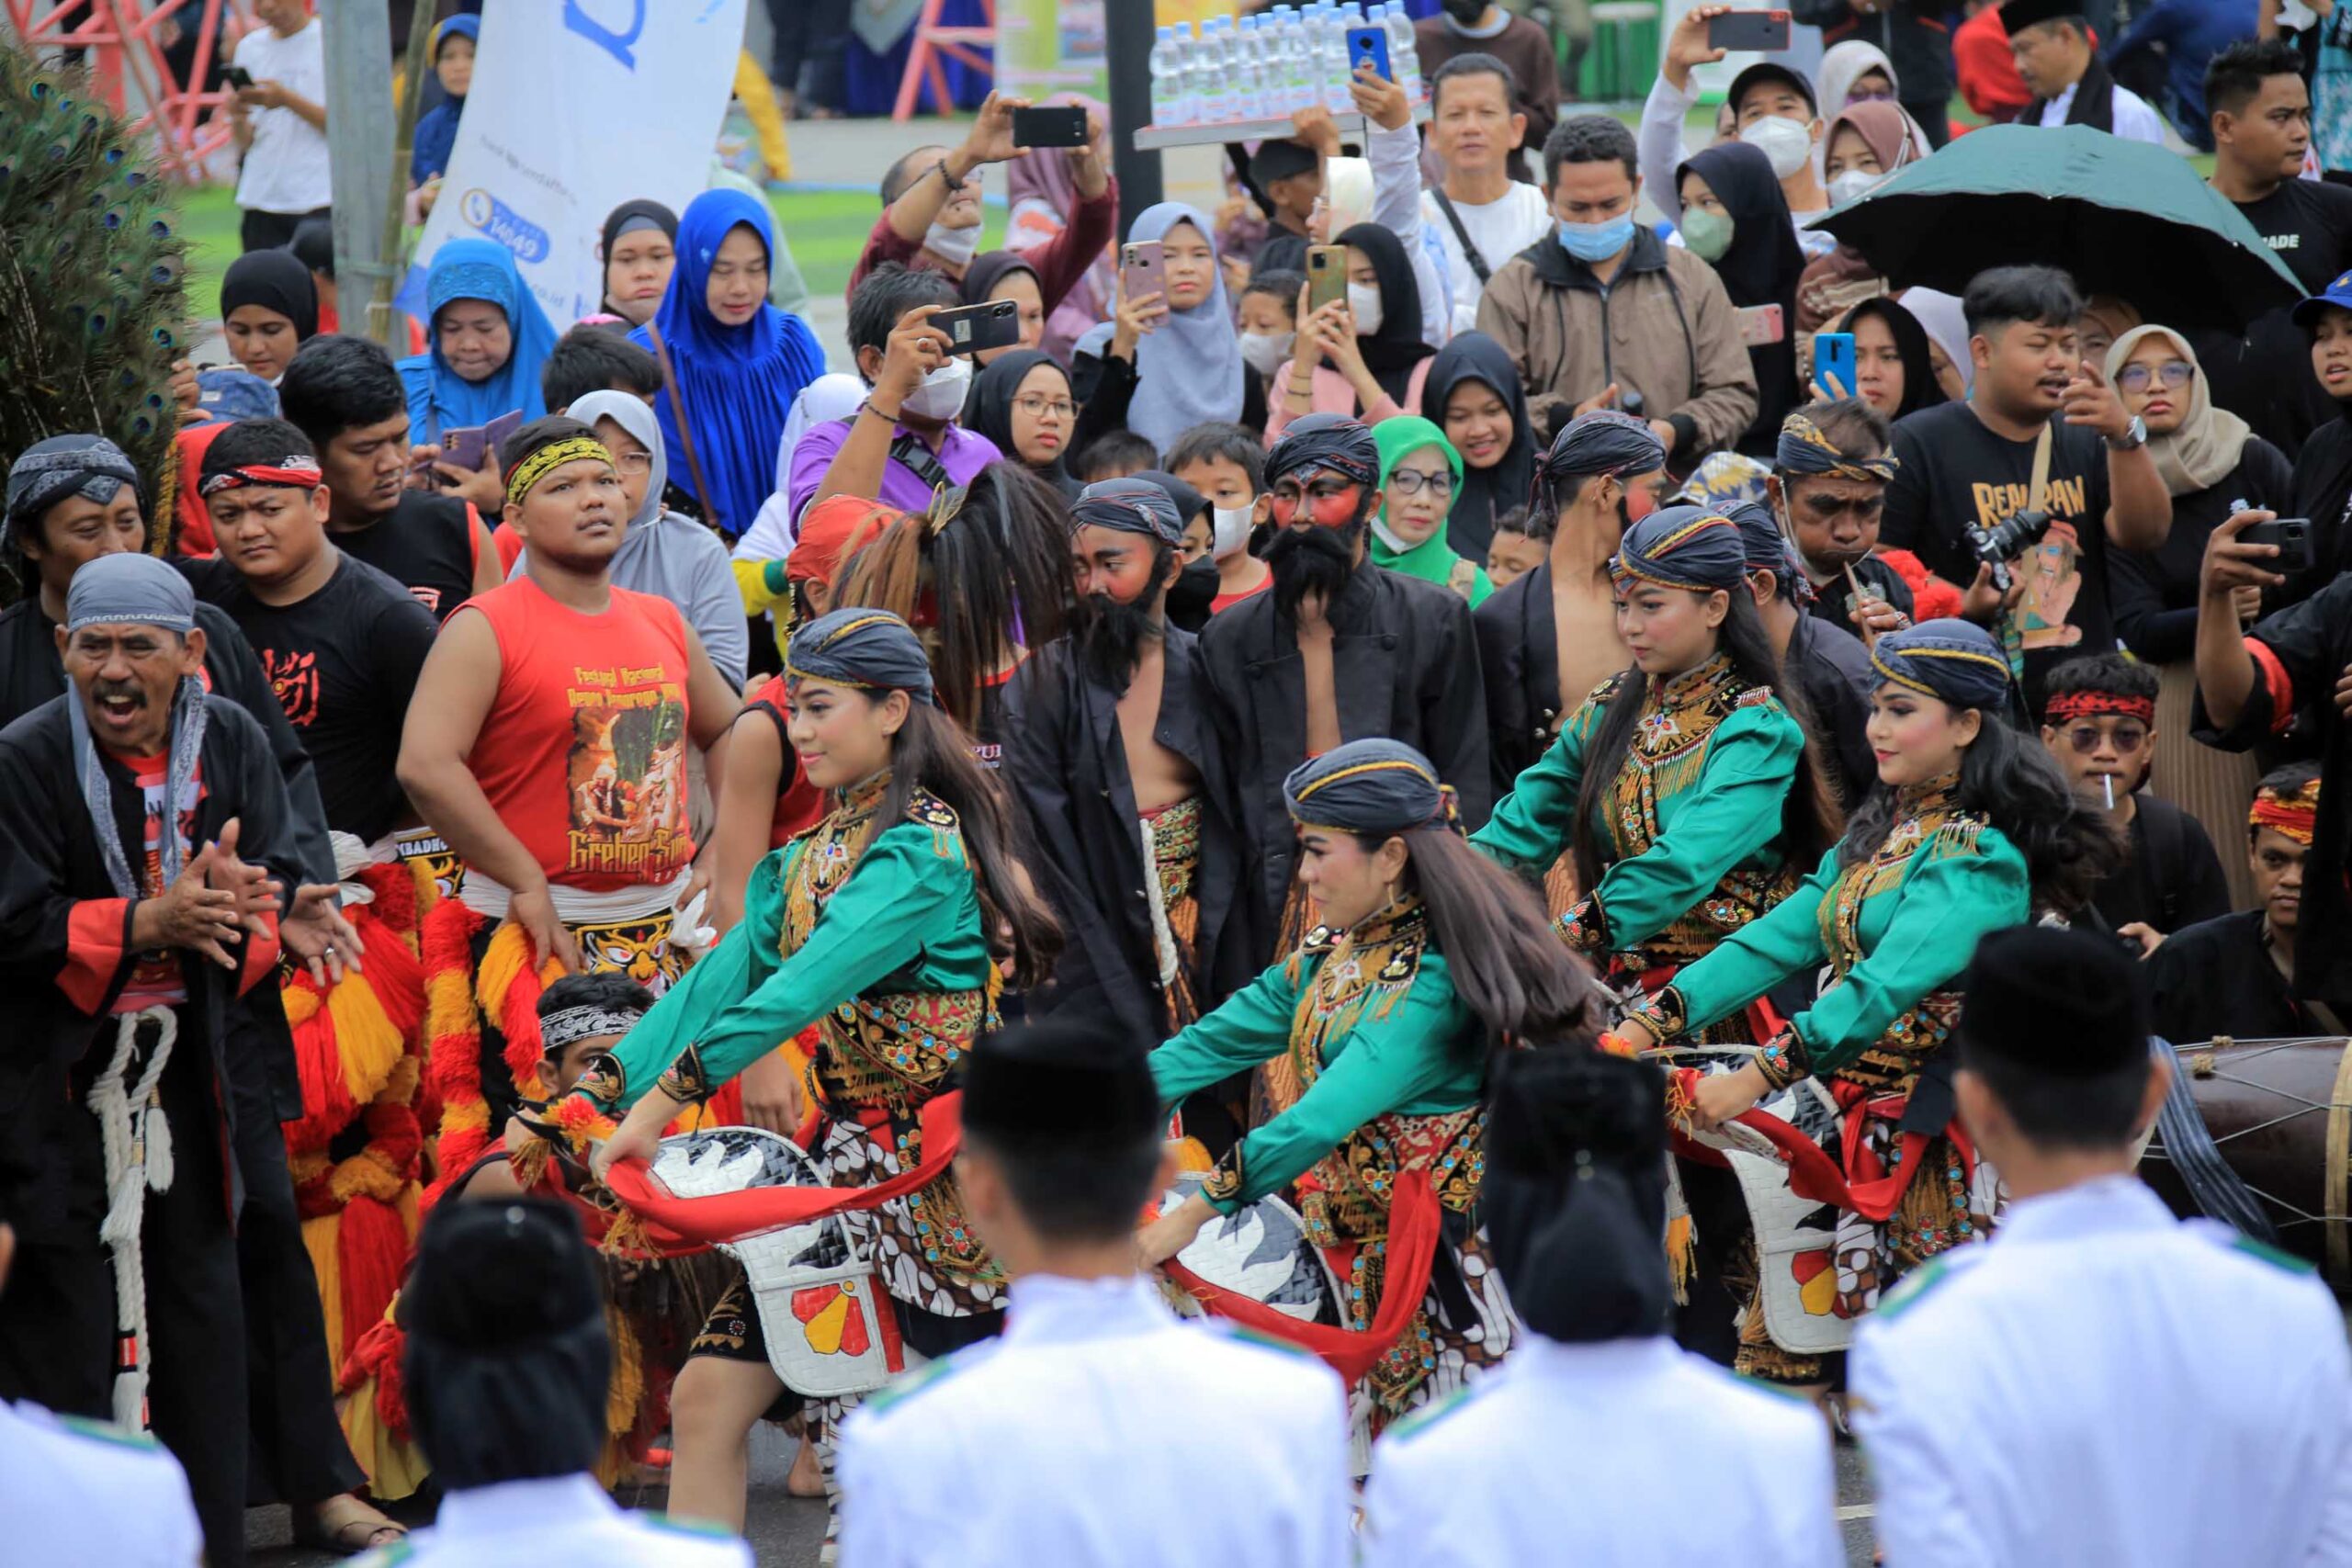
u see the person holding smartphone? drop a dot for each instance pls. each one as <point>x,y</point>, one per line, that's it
<point>1773,108</point>
<point>279,120</point>
<point>1735,219</point>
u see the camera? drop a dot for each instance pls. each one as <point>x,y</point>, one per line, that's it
<point>2005,540</point>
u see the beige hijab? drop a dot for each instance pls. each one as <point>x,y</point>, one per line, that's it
<point>2206,447</point>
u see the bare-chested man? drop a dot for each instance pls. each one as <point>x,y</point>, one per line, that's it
<point>1114,759</point>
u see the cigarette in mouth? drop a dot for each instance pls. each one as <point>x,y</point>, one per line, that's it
<point>2106,783</point>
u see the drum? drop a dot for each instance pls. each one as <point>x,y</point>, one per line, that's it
<point>2280,1112</point>
<point>822,1305</point>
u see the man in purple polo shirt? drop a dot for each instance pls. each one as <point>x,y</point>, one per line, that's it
<point>904,442</point>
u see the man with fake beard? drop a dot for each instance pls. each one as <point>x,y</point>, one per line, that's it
<point>1110,754</point>
<point>145,840</point>
<point>1340,651</point>
<point>1552,634</point>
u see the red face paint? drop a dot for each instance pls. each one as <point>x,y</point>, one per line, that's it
<point>1336,510</point>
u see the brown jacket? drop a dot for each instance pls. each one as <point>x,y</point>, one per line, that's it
<point>1664,328</point>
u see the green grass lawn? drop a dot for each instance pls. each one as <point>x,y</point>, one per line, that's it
<point>824,229</point>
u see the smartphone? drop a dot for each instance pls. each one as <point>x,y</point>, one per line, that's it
<point>993,323</point>
<point>1326,276</point>
<point>2293,537</point>
<point>1143,269</point>
<point>1756,32</point>
<point>1369,46</point>
<point>237,76</point>
<point>1833,363</point>
<point>466,448</point>
<point>1760,324</point>
<point>1057,125</point>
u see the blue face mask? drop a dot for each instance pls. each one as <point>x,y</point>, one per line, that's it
<point>1596,241</point>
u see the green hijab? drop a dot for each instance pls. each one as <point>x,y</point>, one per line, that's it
<point>1432,559</point>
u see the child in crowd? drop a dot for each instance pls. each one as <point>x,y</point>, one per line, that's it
<point>1226,464</point>
<point>1115,455</point>
<point>1268,317</point>
<point>1518,546</point>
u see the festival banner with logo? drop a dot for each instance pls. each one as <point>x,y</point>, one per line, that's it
<point>578,106</point>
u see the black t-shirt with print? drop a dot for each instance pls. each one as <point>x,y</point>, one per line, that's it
<point>343,663</point>
<point>1956,472</point>
<point>427,545</point>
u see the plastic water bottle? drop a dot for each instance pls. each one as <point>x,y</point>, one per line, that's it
<point>1337,20</point>
<point>1291,90</point>
<point>1404,59</point>
<point>1249,70</point>
<point>1166,82</point>
<point>1225,69</point>
<point>1208,91</point>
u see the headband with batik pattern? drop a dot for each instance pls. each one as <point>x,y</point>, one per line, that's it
<point>871,649</point>
<point>1952,660</point>
<point>1690,547</point>
<point>293,471</point>
<point>2294,812</point>
<point>2069,705</point>
<point>1805,448</point>
<point>545,459</point>
<point>559,1029</point>
<point>1370,786</point>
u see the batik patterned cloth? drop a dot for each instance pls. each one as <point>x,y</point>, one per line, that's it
<point>1172,836</point>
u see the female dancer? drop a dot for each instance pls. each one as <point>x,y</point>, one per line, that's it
<point>1374,1036</point>
<point>1685,784</point>
<point>874,926</point>
<point>1970,825</point>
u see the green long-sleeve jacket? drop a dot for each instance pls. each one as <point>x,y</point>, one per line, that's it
<point>1699,798</point>
<point>1420,1055</point>
<point>1924,902</point>
<point>907,914</point>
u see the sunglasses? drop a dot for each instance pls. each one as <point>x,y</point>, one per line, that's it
<point>2086,738</point>
<point>2174,374</point>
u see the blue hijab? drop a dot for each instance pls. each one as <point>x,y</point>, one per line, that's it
<point>1188,370</point>
<point>738,383</point>
<point>437,132</point>
<point>438,398</point>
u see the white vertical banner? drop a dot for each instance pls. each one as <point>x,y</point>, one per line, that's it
<point>578,106</point>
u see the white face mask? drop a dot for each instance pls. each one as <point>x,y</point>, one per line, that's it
<point>1229,529</point>
<point>1363,298</point>
<point>1852,185</point>
<point>941,396</point>
<point>1786,144</point>
<point>1264,352</point>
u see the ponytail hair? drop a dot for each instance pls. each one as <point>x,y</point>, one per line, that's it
<point>933,753</point>
<point>1507,965</point>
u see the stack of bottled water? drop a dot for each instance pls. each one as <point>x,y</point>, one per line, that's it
<point>1272,65</point>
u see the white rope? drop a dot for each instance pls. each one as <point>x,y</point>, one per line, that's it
<point>1163,938</point>
<point>138,1142</point>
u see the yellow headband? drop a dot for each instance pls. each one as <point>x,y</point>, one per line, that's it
<point>550,457</point>
<point>1385,766</point>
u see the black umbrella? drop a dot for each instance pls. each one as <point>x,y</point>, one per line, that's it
<point>2125,218</point>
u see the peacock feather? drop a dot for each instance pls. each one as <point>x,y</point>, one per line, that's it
<point>93,304</point>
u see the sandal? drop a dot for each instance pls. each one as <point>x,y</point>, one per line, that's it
<point>346,1526</point>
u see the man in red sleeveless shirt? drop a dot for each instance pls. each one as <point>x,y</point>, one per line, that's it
<point>546,741</point>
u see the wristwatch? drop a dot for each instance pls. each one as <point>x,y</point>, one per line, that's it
<point>2134,436</point>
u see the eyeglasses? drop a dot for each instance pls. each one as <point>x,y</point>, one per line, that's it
<point>2174,373</point>
<point>634,462</point>
<point>1407,481</point>
<point>2126,738</point>
<point>1036,406</point>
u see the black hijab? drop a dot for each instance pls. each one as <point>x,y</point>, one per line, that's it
<point>1391,353</point>
<point>987,408</point>
<point>275,281</point>
<point>1486,493</point>
<point>1761,268</point>
<point>1920,387</point>
<point>988,270</point>
<point>619,218</point>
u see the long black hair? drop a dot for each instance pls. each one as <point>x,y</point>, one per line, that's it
<point>1505,964</point>
<point>990,559</point>
<point>1810,820</point>
<point>2016,784</point>
<point>931,752</point>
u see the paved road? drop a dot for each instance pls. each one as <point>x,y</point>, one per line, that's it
<point>786,1531</point>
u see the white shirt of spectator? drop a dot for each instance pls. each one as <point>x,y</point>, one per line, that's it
<point>1500,228</point>
<point>286,167</point>
<point>78,1492</point>
<point>2133,118</point>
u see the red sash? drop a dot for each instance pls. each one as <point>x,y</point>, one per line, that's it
<point>1865,1187</point>
<point>1413,1220</point>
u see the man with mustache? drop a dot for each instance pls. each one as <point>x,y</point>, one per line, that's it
<point>1550,636</point>
<point>149,856</point>
<point>1337,651</point>
<point>1110,752</point>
